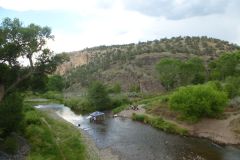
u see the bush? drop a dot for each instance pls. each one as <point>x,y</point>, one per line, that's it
<point>55,83</point>
<point>115,88</point>
<point>11,113</point>
<point>232,86</point>
<point>32,117</point>
<point>98,97</point>
<point>119,109</point>
<point>226,65</point>
<point>194,102</point>
<point>53,95</point>
<point>134,88</point>
<point>119,100</point>
<point>80,105</point>
<point>139,117</point>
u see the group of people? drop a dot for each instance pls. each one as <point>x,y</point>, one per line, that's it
<point>134,107</point>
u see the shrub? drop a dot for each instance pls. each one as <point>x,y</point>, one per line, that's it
<point>55,83</point>
<point>134,88</point>
<point>11,113</point>
<point>53,95</point>
<point>98,97</point>
<point>80,105</point>
<point>138,117</point>
<point>226,65</point>
<point>115,88</point>
<point>119,109</point>
<point>232,86</point>
<point>32,117</point>
<point>194,102</point>
<point>119,100</point>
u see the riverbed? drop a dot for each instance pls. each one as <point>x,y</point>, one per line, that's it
<point>135,141</point>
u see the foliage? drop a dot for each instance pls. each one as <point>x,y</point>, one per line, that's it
<point>232,86</point>
<point>120,108</point>
<point>79,105</point>
<point>168,70</point>
<point>119,100</point>
<point>55,83</point>
<point>11,113</point>
<point>197,101</point>
<point>159,123</point>
<point>227,64</point>
<point>27,42</point>
<point>52,139</point>
<point>103,58</point>
<point>32,117</point>
<point>114,88</point>
<point>98,96</point>
<point>134,88</point>
<point>53,95</point>
<point>174,73</point>
<point>192,71</point>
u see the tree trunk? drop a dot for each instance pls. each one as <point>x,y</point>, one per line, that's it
<point>2,92</point>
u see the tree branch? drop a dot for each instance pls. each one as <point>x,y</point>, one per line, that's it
<point>20,79</point>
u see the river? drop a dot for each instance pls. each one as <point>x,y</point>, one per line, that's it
<point>135,141</point>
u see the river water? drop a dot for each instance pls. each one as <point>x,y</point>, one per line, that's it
<point>135,141</point>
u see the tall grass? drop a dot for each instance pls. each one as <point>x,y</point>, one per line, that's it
<point>52,138</point>
<point>159,123</point>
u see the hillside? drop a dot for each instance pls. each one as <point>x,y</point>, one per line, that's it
<point>133,65</point>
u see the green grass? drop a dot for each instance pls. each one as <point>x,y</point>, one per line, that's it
<point>52,138</point>
<point>159,123</point>
<point>119,109</point>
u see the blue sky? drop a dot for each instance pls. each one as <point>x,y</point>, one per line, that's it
<point>78,24</point>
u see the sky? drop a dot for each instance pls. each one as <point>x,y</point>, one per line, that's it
<point>77,24</point>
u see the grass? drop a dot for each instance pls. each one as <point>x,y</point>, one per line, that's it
<point>159,123</point>
<point>52,138</point>
<point>119,109</point>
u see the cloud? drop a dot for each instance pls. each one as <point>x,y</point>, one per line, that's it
<point>77,24</point>
<point>177,9</point>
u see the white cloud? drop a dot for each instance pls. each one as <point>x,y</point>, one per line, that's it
<point>25,5</point>
<point>106,22</point>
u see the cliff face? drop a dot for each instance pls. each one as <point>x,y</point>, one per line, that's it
<point>77,58</point>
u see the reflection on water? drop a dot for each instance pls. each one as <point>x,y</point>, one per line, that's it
<point>135,141</point>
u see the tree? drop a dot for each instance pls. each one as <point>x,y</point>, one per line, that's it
<point>196,101</point>
<point>98,96</point>
<point>232,86</point>
<point>192,72</point>
<point>226,65</point>
<point>55,83</point>
<point>174,72</point>
<point>27,42</point>
<point>12,107</point>
<point>168,70</point>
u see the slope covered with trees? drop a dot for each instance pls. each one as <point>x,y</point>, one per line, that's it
<point>133,65</point>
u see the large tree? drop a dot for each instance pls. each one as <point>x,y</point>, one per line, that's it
<point>28,44</point>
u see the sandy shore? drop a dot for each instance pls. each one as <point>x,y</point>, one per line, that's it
<point>219,131</point>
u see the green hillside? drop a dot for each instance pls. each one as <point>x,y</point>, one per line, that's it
<point>133,65</point>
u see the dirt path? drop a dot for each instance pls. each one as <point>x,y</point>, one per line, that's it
<point>217,130</point>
